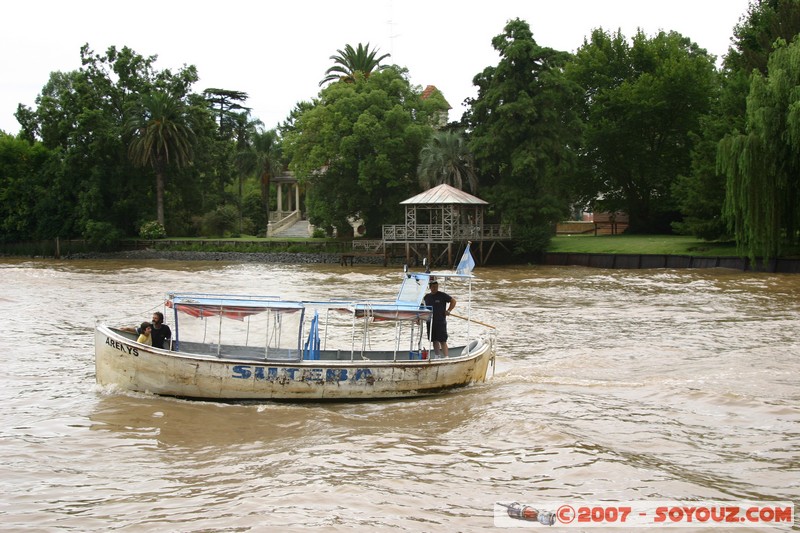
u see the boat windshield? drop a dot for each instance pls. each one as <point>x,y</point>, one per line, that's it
<point>413,289</point>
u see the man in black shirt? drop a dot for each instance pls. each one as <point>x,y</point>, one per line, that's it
<point>441,303</point>
<point>161,332</point>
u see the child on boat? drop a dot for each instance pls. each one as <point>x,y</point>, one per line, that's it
<point>144,338</point>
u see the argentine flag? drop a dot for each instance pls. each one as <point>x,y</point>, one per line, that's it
<point>466,264</point>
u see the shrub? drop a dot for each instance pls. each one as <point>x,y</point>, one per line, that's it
<point>248,226</point>
<point>152,230</point>
<point>220,221</point>
<point>102,235</point>
<point>253,208</point>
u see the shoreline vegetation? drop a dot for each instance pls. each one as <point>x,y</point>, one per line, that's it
<point>659,251</point>
<point>627,251</point>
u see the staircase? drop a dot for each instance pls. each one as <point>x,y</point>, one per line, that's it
<point>298,229</point>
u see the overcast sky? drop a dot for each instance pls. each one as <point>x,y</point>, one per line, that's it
<point>277,52</point>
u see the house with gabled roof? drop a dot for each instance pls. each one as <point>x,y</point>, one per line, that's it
<point>444,115</point>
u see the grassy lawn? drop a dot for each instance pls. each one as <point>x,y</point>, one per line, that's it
<point>641,244</point>
<point>590,244</point>
<point>601,244</point>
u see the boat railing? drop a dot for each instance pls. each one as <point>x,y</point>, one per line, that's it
<point>276,329</point>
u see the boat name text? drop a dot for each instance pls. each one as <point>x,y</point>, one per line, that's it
<point>124,348</point>
<point>262,373</point>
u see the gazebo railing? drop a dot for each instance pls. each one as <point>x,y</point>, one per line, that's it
<point>439,233</point>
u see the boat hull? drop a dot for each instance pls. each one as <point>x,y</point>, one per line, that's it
<point>127,365</point>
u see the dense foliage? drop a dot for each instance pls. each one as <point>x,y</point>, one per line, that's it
<point>642,104</point>
<point>446,158</point>
<point>30,188</point>
<point>356,149</point>
<point>647,125</point>
<point>84,120</point>
<point>702,193</point>
<point>524,133</point>
<point>762,164</point>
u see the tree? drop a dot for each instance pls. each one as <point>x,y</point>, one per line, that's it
<point>524,134</point>
<point>201,187</point>
<point>643,104</point>
<point>227,106</point>
<point>30,197</point>
<point>161,135</point>
<point>445,158</point>
<point>755,34</point>
<point>351,62</point>
<point>82,116</point>
<point>244,162</point>
<point>263,157</point>
<point>357,148</point>
<point>762,164</point>
<point>701,194</point>
<point>268,162</point>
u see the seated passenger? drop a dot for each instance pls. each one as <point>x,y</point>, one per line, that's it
<point>146,329</point>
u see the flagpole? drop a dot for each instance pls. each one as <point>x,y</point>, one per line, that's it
<point>465,264</point>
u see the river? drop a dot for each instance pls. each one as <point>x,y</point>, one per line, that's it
<point>610,385</point>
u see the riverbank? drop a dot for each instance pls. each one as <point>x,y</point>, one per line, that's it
<point>612,252</point>
<point>239,257</point>
<point>640,261</point>
<point>592,260</point>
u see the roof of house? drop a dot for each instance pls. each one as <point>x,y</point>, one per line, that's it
<point>429,90</point>
<point>444,195</point>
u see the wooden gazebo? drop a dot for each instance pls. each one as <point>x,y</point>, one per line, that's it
<point>441,219</point>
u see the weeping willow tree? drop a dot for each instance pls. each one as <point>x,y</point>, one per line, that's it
<point>762,166</point>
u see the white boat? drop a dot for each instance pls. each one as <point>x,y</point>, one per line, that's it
<point>233,347</point>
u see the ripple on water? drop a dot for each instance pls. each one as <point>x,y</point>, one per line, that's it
<point>618,385</point>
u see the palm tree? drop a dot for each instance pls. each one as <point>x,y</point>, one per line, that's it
<point>350,61</point>
<point>446,159</point>
<point>264,157</point>
<point>245,159</point>
<point>162,135</point>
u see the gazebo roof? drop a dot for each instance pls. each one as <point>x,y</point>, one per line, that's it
<point>444,195</point>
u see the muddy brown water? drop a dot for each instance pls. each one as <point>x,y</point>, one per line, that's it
<point>613,385</point>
